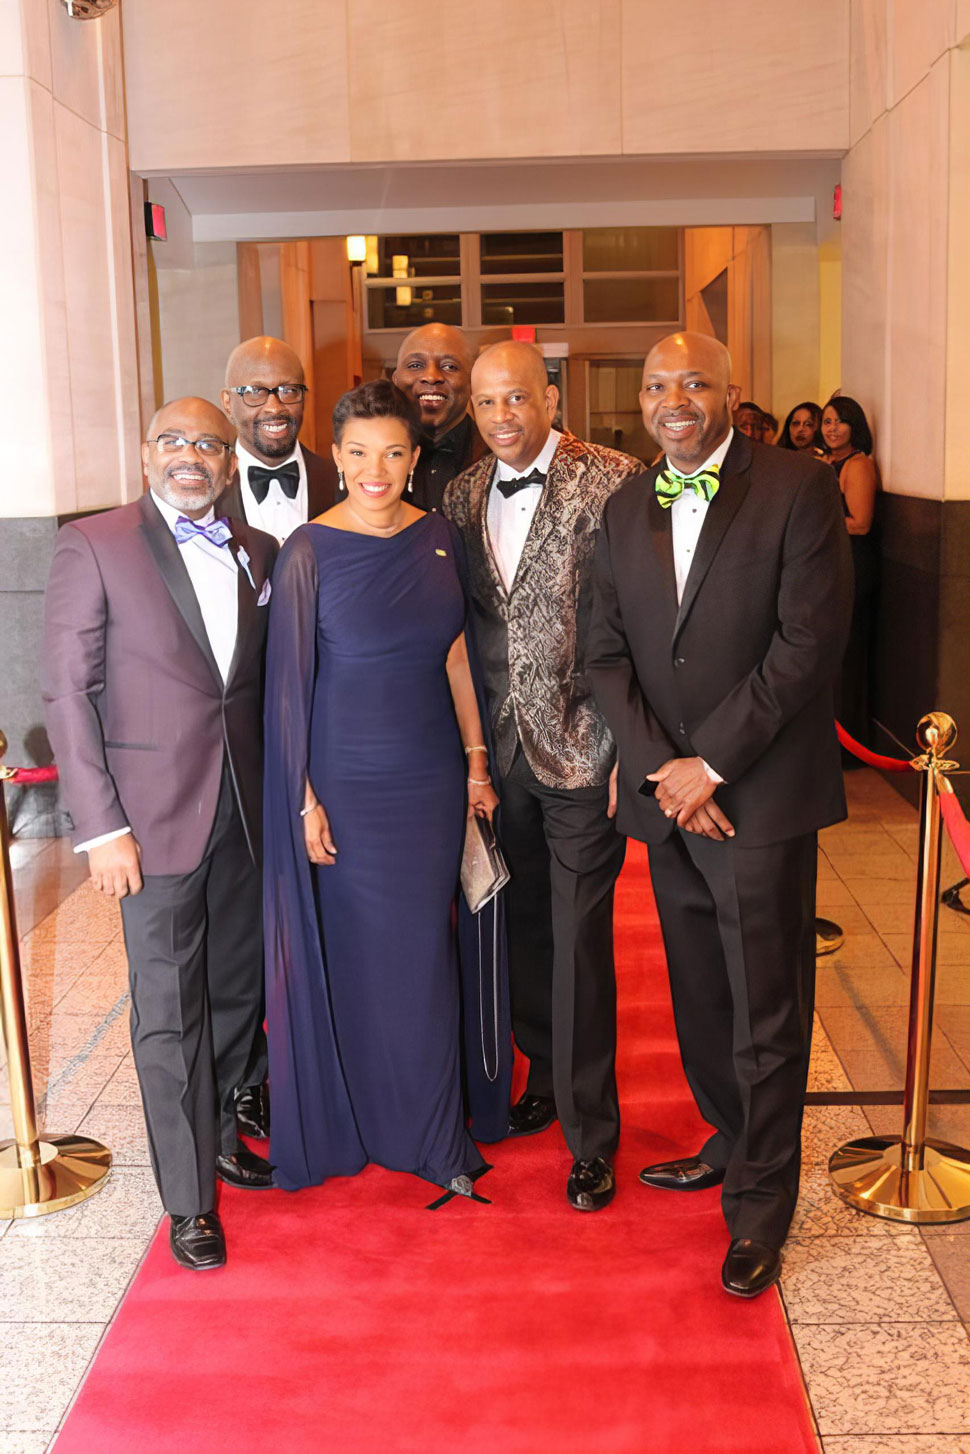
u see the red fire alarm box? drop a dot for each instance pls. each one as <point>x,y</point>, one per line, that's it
<point>155,222</point>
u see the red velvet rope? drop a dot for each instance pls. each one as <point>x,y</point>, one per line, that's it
<point>873,759</point>
<point>957,827</point>
<point>28,776</point>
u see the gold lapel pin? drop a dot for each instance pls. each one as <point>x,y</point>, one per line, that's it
<point>441,552</point>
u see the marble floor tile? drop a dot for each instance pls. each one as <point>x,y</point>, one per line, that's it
<point>898,1444</point>
<point>41,1364</point>
<point>51,1280</point>
<point>850,917</point>
<point>863,1280</point>
<point>952,1263</point>
<point>833,894</point>
<point>867,951</point>
<point>952,950</point>
<point>825,1071</point>
<point>887,1378</point>
<point>128,1206</point>
<point>944,1123</point>
<point>840,984</point>
<point>122,1130</point>
<point>82,1076</point>
<point>850,837</point>
<point>891,864</point>
<point>23,1442</point>
<point>953,1021</point>
<point>122,1089</point>
<point>871,1043</point>
<point>820,1213</point>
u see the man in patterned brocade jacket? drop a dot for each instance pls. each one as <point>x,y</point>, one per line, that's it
<point>529,513</point>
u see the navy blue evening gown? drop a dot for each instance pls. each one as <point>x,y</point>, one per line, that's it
<point>364,1007</point>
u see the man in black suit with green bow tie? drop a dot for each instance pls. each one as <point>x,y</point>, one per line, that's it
<point>722,602</point>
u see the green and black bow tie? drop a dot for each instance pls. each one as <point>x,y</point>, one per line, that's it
<point>671,484</point>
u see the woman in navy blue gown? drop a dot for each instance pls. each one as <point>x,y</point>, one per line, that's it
<point>372,728</point>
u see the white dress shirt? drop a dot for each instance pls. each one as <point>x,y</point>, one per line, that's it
<point>509,519</point>
<point>214,575</point>
<point>278,515</point>
<point>687,515</point>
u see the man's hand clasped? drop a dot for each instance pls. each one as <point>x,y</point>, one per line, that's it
<point>685,791</point>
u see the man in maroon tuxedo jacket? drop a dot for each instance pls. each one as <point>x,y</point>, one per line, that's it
<point>722,602</point>
<point>152,677</point>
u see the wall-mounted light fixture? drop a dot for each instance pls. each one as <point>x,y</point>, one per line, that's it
<point>357,249</point>
<point>402,297</point>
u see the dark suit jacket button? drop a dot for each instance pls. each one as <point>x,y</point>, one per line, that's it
<point>681,729</point>
<point>678,661</point>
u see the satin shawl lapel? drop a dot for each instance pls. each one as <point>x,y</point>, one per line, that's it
<point>733,487</point>
<point>161,543</point>
<point>545,517</point>
<point>246,615</point>
<point>479,514</point>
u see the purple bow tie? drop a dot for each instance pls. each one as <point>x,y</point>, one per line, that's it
<point>217,532</point>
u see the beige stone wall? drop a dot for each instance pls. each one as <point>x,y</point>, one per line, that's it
<point>906,240</point>
<point>326,81</point>
<point>69,357</point>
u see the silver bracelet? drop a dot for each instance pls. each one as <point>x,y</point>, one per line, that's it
<point>305,811</point>
<point>481,782</point>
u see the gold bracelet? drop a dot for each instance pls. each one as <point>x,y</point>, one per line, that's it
<point>480,782</point>
<point>480,748</point>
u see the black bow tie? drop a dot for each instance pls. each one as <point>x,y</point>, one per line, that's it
<point>521,482</point>
<point>261,479</point>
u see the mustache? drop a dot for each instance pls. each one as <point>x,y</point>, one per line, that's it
<point>199,468</point>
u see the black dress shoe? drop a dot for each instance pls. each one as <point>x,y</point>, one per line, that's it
<point>252,1112</point>
<point>591,1185</point>
<point>246,1169</point>
<point>198,1242</point>
<point>688,1174</point>
<point>531,1114</point>
<point>749,1267</point>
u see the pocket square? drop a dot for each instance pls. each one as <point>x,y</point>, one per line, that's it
<point>265,593</point>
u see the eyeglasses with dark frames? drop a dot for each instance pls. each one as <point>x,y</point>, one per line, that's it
<point>208,444</point>
<point>256,394</point>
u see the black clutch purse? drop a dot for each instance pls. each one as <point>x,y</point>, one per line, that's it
<point>483,869</point>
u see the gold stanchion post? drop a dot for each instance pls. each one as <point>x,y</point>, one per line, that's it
<point>909,1178</point>
<point>38,1174</point>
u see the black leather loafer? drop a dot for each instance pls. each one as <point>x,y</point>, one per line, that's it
<point>750,1267</point>
<point>252,1112</point>
<point>531,1114</point>
<point>198,1243</point>
<point>591,1185</point>
<point>688,1174</point>
<point>246,1169</point>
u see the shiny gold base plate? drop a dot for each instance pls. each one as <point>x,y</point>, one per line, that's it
<point>868,1174</point>
<point>72,1168</point>
<point>829,937</point>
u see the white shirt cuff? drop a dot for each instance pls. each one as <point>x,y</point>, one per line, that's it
<point>102,838</point>
<point>715,777</point>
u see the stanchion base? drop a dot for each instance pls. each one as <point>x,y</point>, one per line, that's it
<point>868,1174</point>
<point>72,1168</point>
<point>829,937</point>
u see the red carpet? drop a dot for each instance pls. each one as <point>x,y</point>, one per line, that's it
<point>349,1318</point>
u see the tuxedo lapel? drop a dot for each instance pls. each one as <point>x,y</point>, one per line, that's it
<point>733,487</point>
<point>246,599</point>
<point>479,514</point>
<point>161,543</point>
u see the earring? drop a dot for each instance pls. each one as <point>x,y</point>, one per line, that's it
<point>411,483</point>
<point>341,483</point>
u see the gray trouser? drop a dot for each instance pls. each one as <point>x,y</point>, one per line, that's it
<point>195,960</point>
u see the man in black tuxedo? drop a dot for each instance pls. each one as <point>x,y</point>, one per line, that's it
<point>723,597</point>
<point>279,483</point>
<point>434,368</point>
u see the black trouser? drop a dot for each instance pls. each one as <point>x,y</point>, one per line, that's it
<point>564,855</point>
<point>195,960</point>
<point>738,928</point>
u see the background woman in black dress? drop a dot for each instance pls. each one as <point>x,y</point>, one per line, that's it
<point>372,728</point>
<point>848,441</point>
